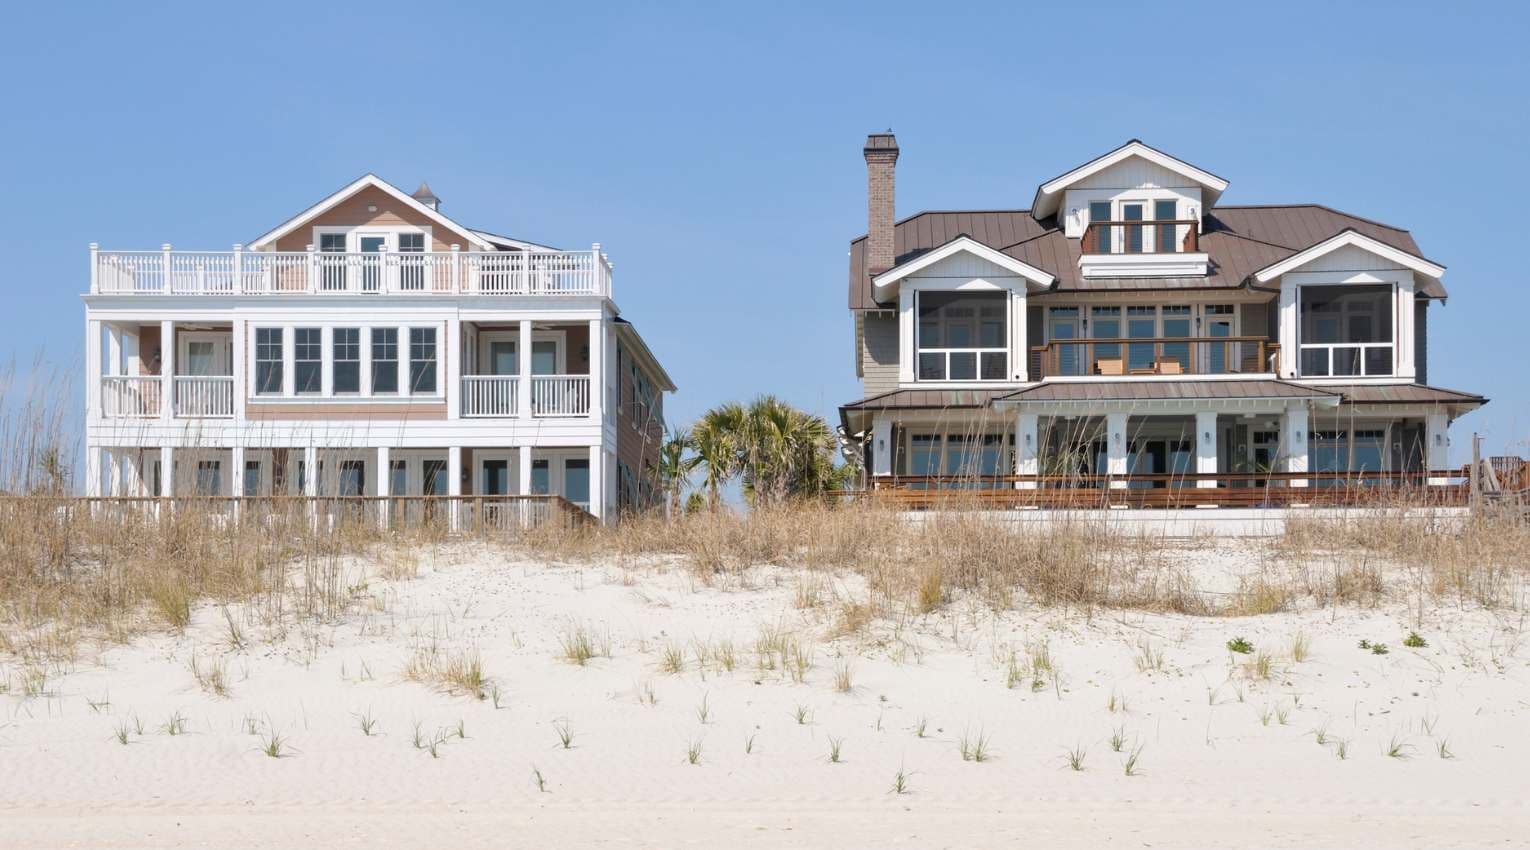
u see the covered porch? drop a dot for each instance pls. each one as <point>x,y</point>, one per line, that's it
<point>144,363</point>
<point>553,379</point>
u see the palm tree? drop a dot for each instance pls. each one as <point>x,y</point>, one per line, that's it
<point>675,467</point>
<point>778,450</point>
<point>716,440</point>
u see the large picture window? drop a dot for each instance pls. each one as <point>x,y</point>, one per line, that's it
<point>422,360</point>
<point>962,336</point>
<point>347,360</point>
<point>308,360</point>
<point>385,360</point>
<point>1346,330</point>
<point>268,361</point>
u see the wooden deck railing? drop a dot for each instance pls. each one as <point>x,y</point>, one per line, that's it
<point>1119,356</point>
<point>1141,237</point>
<point>1442,488</point>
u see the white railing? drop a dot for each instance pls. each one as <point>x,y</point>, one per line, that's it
<point>169,272</point>
<point>489,395</point>
<point>204,396</point>
<point>131,396</point>
<point>560,395</point>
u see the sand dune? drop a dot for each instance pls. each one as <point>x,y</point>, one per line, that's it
<point>1232,750</point>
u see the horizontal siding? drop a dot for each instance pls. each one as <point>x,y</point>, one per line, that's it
<point>346,411</point>
<point>1134,173</point>
<point>879,354</point>
<point>390,211</point>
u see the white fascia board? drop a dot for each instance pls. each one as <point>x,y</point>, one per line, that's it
<point>364,181</point>
<point>1359,240</point>
<point>884,284</point>
<point>1052,189</point>
<point>629,334</point>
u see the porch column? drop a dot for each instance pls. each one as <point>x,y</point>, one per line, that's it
<point>454,487</point>
<point>240,370</point>
<point>384,484</point>
<point>453,369</point>
<point>167,370</point>
<point>1027,452</point>
<point>1437,455</point>
<point>132,472</point>
<point>597,498</point>
<point>114,473</point>
<point>1206,446</point>
<point>523,474</point>
<point>1293,442</point>
<point>236,478</point>
<point>597,375</point>
<point>93,470</point>
<point>167,472</point>
<point>523,364</point>
<point>93,381</point>
<point>1115,448</point>
<point>881,446</point>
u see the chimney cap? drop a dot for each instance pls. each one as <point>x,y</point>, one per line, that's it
<point>424,195</point>
<point>882,143</point>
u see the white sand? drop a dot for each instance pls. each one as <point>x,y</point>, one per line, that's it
<point>1212,774</point>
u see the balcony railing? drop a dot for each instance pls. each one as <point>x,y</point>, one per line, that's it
<point>560,395</point>
<point>131,396</point>
<point>1154,356</point>
<point>489,395</point>
<point>204,396</point>
<point>168,272</point>
<point>1179,236</point>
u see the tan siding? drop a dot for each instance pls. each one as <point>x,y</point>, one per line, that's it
<point>879,355</point>
<point>639,436</point>
<point>353,212</point>
<point>344,411</point>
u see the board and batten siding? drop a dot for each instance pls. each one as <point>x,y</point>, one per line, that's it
<point>878,352</point>
<point>1350,258</point>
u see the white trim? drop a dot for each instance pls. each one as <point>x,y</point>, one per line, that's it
<point>1359,240</point>
<point>389,232</point>
<point>1037,276</point>
<point>1051,190</point>
<point>362,182</point>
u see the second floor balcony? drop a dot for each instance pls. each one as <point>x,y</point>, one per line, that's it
<point>1231,355</point>
<point>320,273</point>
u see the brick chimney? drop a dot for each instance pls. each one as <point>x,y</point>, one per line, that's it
<point>881,159</point>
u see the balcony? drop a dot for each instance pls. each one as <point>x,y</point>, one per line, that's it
<point>142,396</point>
<point>560,395</point>
<point>552,396</point>
<point>211,273</point>
<point>489,396</point>
<point>1232,355</point>
<point>1166,248</point>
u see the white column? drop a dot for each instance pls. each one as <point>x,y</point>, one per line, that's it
<point>523,363</point>
<point>1027,452</point>
<point>1206,446</point>
<point>453,358</point>
<point>132,473</point>
<point>597,374</point>
<point>1290,354</point>
<point>113,348</point>
<point>454,487</point>
<point>167,369</point>
<point>384,484</point>
<point>882,446</point>
<point>523,470</point>
<point>1115,448</point>
<point>167,472</point>
<point>240,370</point>
<point>93,470</point>
<point>597,495</point>
<point>114,473</point>
<point>236,478</point>
<point>1293,442</point>
<point>311,482</point>
<point>1437,453</point>
<point>92,369</point>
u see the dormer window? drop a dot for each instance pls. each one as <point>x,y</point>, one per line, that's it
<point>963,337</point>
<point>1123,227</point>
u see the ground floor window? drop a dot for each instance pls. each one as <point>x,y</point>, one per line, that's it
<point>1348,450</point>
<point>963,457</point>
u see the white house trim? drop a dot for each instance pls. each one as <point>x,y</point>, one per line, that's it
<point>364,181</point>
<point>1359,240</point>
<point>885,283</point>
<point>1049,193</point>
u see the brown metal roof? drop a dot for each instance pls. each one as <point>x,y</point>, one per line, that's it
<point>925,400</point>
<point>1163,390</point>
<point>1238,240</point>
<point>1403,394</point>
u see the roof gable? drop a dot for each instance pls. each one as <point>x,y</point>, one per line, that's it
<point>1345,239</point>
<point>885,284</point>
<point>1049,194</point>
<point>360,184</point>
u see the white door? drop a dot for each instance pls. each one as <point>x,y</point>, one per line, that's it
<point>205,354</point>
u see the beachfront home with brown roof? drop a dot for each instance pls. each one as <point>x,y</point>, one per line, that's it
<point>370,346</point>
<point>1129,332</point>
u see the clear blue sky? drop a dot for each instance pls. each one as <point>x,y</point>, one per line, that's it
<point>715,152</point>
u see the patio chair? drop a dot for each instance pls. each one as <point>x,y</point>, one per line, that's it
<point>1170,366</point>
<point>1110,366</point>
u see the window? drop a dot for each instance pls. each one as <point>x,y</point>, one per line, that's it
<point>252,478</point>
<point>268,361</point>
<point>384,360</point>
<point>209,478</point>
<point>411,268</point>
<point>1345,450</point>
<point>1132,212</point>
<point>1099,218</point>
<point>1346,330</point>
<point>347,360</point>
<point>422,360</point>
<point>962,337</point>
<point>307,356</point>
<point>398,477</point>
<point>353,478</point>
<point>332,269</point>
<point>964,457</point>
<point>1165,211</point>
